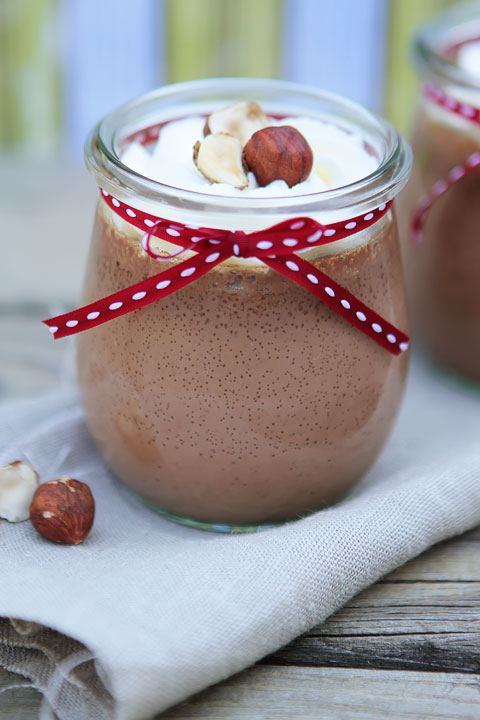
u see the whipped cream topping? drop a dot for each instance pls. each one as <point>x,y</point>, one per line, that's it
<point>339,158</point>
<point>468,58</point>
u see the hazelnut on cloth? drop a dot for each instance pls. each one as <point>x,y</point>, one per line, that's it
<point>63,510</point>
<point>278,153</point>
<point>18,482</point>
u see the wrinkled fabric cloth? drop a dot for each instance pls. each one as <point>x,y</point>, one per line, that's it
<point>147,612</point>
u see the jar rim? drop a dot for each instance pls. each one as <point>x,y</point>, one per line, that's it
<point>380,186</point>
<point>432,42</point>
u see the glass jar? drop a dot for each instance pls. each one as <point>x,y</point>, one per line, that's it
<point>443,262</point>
<point>241,399</point>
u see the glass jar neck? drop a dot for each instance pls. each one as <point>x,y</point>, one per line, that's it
<point>436,48</point>
<point>103,148</point>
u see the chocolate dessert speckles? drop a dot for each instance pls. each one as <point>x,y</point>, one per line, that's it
<point>241,398</point>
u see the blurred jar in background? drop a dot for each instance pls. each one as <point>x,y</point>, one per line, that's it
<point>443,198</point>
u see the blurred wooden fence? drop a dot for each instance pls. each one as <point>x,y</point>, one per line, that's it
<point>64,63</point>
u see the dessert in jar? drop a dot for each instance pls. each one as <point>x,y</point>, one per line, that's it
<point>442,245</point>
<point>242,349</point>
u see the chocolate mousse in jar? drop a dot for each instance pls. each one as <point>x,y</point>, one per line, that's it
<point>242,351</point>
<point>442,246</point>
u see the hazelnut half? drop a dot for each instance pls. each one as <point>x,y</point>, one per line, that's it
<point>62,510</point>
<point>219,159</point>
<point>240,120</point>
<point>278,153</point>
<point>18,482</point>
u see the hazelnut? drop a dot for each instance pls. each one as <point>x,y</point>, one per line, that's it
<point>62,510</point>
<point>18,482</point>
<point>278,153</point>
<point>240,120</point>
<point>219,159</point>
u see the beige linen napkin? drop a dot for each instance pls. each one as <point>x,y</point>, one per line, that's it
<point>165,610</point>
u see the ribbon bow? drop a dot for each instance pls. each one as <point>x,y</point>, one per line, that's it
<point>276,247</point>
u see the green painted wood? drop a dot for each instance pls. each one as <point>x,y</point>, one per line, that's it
<point>30,95</point>
<point>221,38</point>
<point>402,83</point>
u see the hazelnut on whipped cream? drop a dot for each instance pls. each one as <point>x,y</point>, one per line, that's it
<point>339,156</point>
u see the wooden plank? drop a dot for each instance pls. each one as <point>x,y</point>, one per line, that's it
<point>211,38</point>
<point>58,202</point>
<point>418,594</point>
<point>445,652</point>
<point>457,561</point>
<point>472,535</point>
<point>396,633</point>
<point>276,693</point>
<point>20,704</point>
<point>30,77</point>
<point>401,88</point>
<point>405,622</point>
<point>282,693</point>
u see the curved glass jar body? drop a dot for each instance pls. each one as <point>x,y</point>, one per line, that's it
<point>443,270</point>
<point>242,399</point>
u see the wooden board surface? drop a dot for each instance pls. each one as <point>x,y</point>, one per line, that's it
<point>408,648</point>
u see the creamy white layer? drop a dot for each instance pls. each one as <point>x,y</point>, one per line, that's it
<point>340,158</point>
<point>468,58</point>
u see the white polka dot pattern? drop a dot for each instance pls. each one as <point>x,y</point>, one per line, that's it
<point>440,98</point>
<point>316,236</point>
<point>306,232</point>
<point>187,272</point>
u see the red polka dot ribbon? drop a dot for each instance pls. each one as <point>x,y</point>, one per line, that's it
<point>468,112</point>
<point>276,247</point>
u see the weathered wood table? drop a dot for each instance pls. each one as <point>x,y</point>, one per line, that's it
<point>406,648</point>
